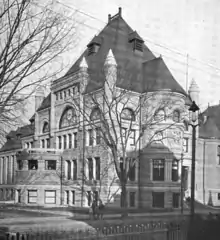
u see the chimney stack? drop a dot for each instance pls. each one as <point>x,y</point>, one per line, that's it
<point>119,11</point>
<point>109,17</point>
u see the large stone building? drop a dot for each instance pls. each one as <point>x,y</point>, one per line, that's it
<point>43,163</point>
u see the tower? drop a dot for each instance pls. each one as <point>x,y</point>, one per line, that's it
<point>194,91</point>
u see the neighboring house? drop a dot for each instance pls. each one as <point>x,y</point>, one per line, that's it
<point>208,157</point>
<point>42,163</point>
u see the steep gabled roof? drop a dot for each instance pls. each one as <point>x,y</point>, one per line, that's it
<point>13,141</point>
<point>46,103</point>
<point>132,67</point>
<point>210,123</point>
<point>157,76</point>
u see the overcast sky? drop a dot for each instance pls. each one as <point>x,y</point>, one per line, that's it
<point>172,28</point>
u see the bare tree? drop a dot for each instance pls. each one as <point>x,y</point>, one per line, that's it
<point>33,39</point>
<point>103,184</point>
<point>128,122</point>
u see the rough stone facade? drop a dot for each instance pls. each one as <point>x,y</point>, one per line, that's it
<point>60,134</point>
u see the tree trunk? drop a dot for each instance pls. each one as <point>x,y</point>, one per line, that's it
<point>124,203</point>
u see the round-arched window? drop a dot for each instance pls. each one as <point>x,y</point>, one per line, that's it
<point>127,114</point>
<point>159,115</point>
<point>95,114</point>
<point>45,127</point>
<point>68,118</point>
<point>176,116</point>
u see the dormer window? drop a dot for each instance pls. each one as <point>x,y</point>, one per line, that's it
<point>137,41</point>
<point>138,45</point>
<point>94,45</point>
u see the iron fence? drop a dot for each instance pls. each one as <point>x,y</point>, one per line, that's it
<point>152,230</point>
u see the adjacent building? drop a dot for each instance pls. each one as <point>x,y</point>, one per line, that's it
<point>44,163</point>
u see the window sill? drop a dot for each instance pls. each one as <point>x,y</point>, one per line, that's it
<point>158,207</point>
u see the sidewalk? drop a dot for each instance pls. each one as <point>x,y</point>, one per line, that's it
<point>83,216</point>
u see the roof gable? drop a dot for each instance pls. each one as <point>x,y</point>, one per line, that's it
<point>157,76</point>
<point>211,127</point>
<point>13,141</point>
<point>133,68</point>
<point>46,103</point>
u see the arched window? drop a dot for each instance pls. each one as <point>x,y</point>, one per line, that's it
<point>176,116</point>
<point>95,114</point>
<point>127,114</point>
<point>45,127</point>
<point>159,115</point>
<point>68,118</point>
<point>186,125</point>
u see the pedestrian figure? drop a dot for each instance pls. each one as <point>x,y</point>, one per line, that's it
<point>94,206</point>
<point>101,207</point>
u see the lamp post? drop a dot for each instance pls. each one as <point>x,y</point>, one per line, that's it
<point>181,183</point>
<point>194,109</point>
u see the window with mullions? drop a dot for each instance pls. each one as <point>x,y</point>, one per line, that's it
<point>158,170</point>
<point>68,118</point>
<point>50,196</point>
<point>32,196</point>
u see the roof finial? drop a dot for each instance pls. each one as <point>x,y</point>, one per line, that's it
<point>83,63</point>
<point>109,17</point>
<point>110,59</point>
<point>119,11</point>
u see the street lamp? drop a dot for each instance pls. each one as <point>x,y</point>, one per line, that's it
<point>194,109</point>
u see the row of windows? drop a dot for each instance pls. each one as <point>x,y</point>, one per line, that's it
<point>159,170</point>
<point>29,144</point>
<point>49,197</point>
<point>160,115</point>
<point>68,141</point>
<point>33,164</point>
<point>67,93</point>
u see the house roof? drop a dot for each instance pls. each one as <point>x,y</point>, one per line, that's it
<point>46,103</point>
<point>13,141</point>
<point>210,124</point>
<point>135,70</point>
